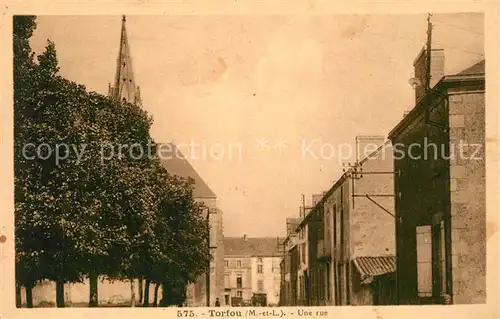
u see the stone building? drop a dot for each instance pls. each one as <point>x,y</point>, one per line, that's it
<point>252,271</point>
<point>351,232</point>
<point>288,296</point>
<point>440,188</point>
<point>302,231</point>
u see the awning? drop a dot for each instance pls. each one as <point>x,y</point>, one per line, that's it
<point>369,267</point>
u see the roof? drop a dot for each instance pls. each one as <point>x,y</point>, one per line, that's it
<point>369,267</point>
<point>478,68</point>
<point>473,73</point>
<point>176,164</point>
<point>257,246</point>
<point>124,86</point>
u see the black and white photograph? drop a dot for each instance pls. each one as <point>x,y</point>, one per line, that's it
<point>250,164</point>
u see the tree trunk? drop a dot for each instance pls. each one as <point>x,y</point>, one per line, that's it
<point>155,302</point>
<point>60,293</point>
<point>164,302</point>
<point>132,292</point>
<point>182,296</point>
<point>141,294</point>
<point>29,296</point>
<point>93,291</point>
<point>18,296</point>
<point>146,293</point>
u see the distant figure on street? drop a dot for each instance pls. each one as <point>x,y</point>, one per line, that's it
<point>217,302</point>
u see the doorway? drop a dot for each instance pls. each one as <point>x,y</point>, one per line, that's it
<point>433,251</point>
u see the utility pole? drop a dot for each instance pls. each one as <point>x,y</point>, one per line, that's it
<point>303,206</point>
<point>214,233</point>
<point>429,52</point>
<point>209,260</point>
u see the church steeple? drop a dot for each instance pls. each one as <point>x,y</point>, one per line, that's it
<point>124,89</point>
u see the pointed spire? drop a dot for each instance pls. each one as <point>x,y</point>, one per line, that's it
<point>124,88</point>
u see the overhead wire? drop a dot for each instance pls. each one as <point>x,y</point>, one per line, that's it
<point>423,41</point>
<point>459,27</point>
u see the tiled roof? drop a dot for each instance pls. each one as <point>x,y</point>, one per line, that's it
<point>369,267</point>
<point>478,68</point>
<point>177,164</point>
<point>258,246</point>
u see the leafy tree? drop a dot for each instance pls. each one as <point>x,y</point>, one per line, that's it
<point>81,214</point>
<point>186,242</point>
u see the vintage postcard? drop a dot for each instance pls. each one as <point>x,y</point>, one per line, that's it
<point>250,161</point>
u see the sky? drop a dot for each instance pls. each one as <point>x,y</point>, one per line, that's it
<point>270,98</point>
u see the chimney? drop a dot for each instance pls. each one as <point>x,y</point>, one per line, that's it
<point>316,198</point>
<point>367,144</point>
<point>420,70</point>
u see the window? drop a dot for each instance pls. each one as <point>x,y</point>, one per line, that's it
<point>239,294</point>
<point>259,260</point>
<point>239,281</point>
<point>341,230</point>
<point>443,258</point>
<point>328,231</point>
<point>328,294</point>
<point>339,285</point>
<point>424,261</point>
<point>347,289</point>
<point>238,264</point>
<point>321,278</point>
<point>226,263</point>
<point>260,285</point>
<point>301,288</point>
<point>303,253</point>
<point>336,218</point>
<point>260,269</point>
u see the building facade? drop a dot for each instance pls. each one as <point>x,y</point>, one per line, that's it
<point>252,271</point>
<point>237,280</point>
<point>350,261</point>
<point>288,296</point>
<point>303,268</point>
<point>440,187</point>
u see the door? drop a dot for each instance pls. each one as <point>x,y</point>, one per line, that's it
<point>306,288</point>
<point>441,257</point>
<point>432,262</point>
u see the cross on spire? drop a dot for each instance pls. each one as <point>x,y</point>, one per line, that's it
<point>124,88</point>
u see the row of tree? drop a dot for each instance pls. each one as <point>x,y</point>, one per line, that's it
<point>78,217</point>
